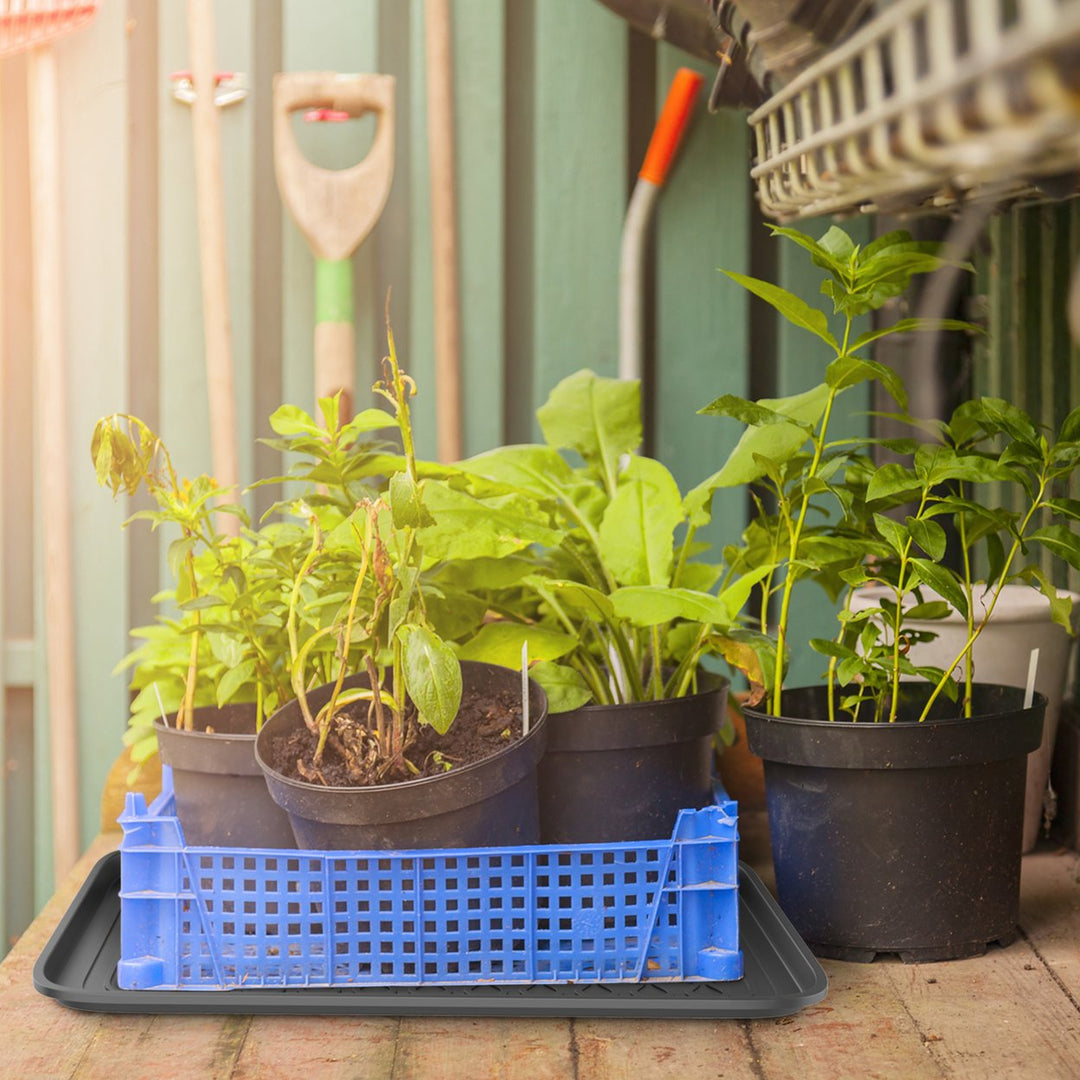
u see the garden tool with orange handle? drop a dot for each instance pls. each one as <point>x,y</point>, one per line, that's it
<point>666,137</point>
<point>335,210</point>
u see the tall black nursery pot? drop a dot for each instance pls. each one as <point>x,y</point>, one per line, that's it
<point>623,772</point>
<point>904,837</point>
<point>221,796</point>
<point>490,803</point>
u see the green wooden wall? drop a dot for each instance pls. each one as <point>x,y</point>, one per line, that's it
<point>554,102</point>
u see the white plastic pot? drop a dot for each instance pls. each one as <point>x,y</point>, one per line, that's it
<point>1021,622</point>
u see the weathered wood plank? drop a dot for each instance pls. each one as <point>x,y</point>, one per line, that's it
<point>999,1014</point>
<point>1050,913</point>
<point>40,1037</point>
<point>334,1047</point>
<point>659,1049</point>
<point>152,1047</point>
<point>491,1049</point>
<point>859,1030</point>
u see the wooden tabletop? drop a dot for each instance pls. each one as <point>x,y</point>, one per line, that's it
<point>1011,1013</point>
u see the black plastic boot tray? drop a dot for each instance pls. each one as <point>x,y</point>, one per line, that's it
<point>78,968</point>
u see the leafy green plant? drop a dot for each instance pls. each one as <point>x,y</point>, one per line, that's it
<point>367,598</point>
<point>128,456</point>
<point>618,608</point>
<point>830,514</point>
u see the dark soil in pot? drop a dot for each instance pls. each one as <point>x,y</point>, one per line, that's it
<point>487,799</point>
<point>221,796</point>
<point>898,838</point>
<point>623,772</point>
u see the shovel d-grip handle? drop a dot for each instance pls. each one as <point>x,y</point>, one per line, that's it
<point>334,209</point>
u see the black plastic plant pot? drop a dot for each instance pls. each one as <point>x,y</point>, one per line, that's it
<point>490,803</point>
<point>900,837</point>
<point>221,796</point>
<point>623,772</point>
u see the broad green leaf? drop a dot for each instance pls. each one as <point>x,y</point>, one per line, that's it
<point>1061,607</point>
<point>847,371</point>
<point>468,528</point>
<point>943,582</point>
<point>539,469</point>
<point>839,245</point>
<point>929,535</point>
<point>564,687</point>
<point>651,605</point>
<point>907,326</point>
<point>776,442</point>
<point>930,609</point>
<point>1067,508</point>
<point>637,529</point>
<point>484,575</point>
<point>996,414</point>
<point>368,420</point>
<point>892,479</point>
<point>1070,427</point>
<point>233,679</point>
<point>751,413</point>
<point>406,503</point>
<point>1061,542</point>
<point>177,554</point>
<point>292,420</point>
<point>796,310</point>
<point>500,643</point>
<point>895,534</point>
<point>700,576</point>
<point>455,615</point>
<point>432,676</point>
<point>574,598</point>
<point>599,417</point>
<point>735,596</point>
<point>819,254</point>
<point>827,647</point>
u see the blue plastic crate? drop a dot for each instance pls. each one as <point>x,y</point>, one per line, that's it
<point>214,918</point>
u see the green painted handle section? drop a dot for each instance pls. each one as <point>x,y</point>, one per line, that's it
<point>333,290</point>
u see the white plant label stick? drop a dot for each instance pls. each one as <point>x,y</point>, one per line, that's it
<point>1033,667</point>
<point>161,705</point>
<point>524,689</point>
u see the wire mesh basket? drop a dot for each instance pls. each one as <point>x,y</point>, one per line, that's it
<point>28,24</point>
<point>930,103</point>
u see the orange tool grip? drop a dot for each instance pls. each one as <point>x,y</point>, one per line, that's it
<point>669,128</point>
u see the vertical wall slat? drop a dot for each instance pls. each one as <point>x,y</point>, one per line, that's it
<point>480,143</point>
<point>93,90</point>
<point>579,185</point>
<point>18,565</point>
<point>420,359</point>
<point>702,332</point>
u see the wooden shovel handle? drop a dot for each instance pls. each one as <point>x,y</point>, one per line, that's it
<point>334,209</point>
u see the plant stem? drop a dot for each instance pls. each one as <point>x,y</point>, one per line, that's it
<point>969,593</point>
<point>657,678</point>
<point>684,551</point>
<point>898,618</point>
<point>290,625</point>
<point>346,639</point>
<point>793,549</point>
<point>186,718</point>
<point>1003,577</point>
